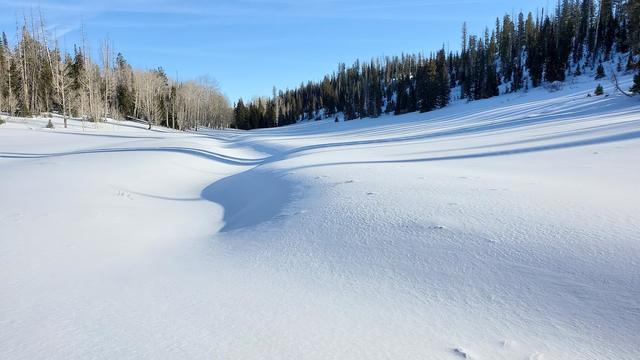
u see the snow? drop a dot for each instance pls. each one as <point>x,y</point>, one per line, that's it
<point>498,229</point>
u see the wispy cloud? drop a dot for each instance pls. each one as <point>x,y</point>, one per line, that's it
<point>267,10</point>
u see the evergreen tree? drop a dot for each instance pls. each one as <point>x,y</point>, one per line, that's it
<point>606,28</point>
<point>492,79</point>
<point>633,16</point>
<point>600,72</point>
<point>402,96</point>
<point>428,101</point>
<point>124,96</point>
<point>442,83</point>
<point>329,98</point>
<point>599,90</point>
<point>636,84</point>
<point>535,55</point>
<point>630,64</point>
<point>241,117</point>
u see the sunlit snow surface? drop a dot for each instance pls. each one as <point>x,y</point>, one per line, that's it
<point>499,229</point>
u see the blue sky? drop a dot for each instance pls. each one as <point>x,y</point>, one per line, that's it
<point>249,46</point>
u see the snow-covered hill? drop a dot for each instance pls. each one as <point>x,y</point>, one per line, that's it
<point>499,229</point>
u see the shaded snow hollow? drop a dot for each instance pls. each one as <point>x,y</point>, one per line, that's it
<point>499,229</point>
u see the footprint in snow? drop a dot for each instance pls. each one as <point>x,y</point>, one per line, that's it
<point>536,356</point>
<point>124,195</point>
<point>462,353</point>
<point>284,216</point>
<point>343,183</point>
<point>17,217</point>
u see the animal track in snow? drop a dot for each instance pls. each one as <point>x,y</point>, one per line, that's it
<point>536,356</point>
<point>124,194</point>
<point>344,183</point>
<point>462,353</point>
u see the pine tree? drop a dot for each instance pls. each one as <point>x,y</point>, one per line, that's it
<point>600,72</point>
<point>505,46</point>
<point>633,15</point>
<point>636,84</point>
<point>270,114</point>
<point>534,51</point>
<point>599,90</point>
<point>606,27</point>
<point>465,66</point>
<point>442,84</point>
<point>630,64</point>
<point>402,97</point>
<point>554,68</point>
<point>492,79</point>
<point>429,99</point>
<point>241,116</point>
<point>329,98</point>
<point>124,97</point>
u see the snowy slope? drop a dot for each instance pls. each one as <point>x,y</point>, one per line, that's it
<point>499,229</point>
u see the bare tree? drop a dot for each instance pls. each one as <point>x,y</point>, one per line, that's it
<point>58,71</point>
<point>106,74</point>
<point>42,78</point>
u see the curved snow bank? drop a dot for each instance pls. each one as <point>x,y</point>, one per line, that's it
<point>250,197</point>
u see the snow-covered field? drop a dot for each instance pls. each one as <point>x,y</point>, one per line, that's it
<point>499,229</point>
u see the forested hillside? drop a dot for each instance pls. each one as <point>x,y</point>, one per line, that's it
<point>37,76</point>
<point>578,37</point>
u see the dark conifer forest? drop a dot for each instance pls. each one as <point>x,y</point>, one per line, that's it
<point>577,37</point>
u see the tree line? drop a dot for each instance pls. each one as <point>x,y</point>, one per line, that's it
<point>518,53</point>
<point>37,76</point>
